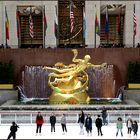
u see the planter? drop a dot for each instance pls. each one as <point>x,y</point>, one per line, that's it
<point>6,86</point>
<point>134,86</point>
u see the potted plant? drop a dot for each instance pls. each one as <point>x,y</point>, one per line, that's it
<point>134,75</point>
<point>6,75</point>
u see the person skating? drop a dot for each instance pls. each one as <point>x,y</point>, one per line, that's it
<point>129,124</point>
<point>81,122</point>
<point>63,124</point>
<point>98,123</point>
<point>88,125</point>
<point>119,125</point>
<point>13,130</point>
<point>39,123</point>
<point>135,128</point>
<point>52,122</point>
<point>104,116</point>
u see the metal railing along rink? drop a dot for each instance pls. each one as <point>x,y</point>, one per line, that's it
<point>29,117</point>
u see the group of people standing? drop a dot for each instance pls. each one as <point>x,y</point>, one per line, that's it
<point>40,121</point>
<point>131,126</point>
<point>84,121</point>
<point>87,122</point>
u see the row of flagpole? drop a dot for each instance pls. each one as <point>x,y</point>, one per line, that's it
<point>31,26</point>
<point>56,26</point>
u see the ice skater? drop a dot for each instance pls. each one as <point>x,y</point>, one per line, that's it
<point>129,124</point>
<point>52,122</point>
<point>98,123</point>
<point>88,125</point>
<point>81,122</point>
<point>39,123</point>
<point>135,128</point>
<point>63,124</point>
<point>13,130</point>
<point>104,116</point>
<point>119,125</point>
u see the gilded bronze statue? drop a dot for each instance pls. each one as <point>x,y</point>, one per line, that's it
<point>70,82</point>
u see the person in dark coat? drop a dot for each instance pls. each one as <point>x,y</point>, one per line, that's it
<point>104,115</point>
<point>13,130</point>
<point>135,128</point>
<point>52,122</point>
<point>39,122</point>
<point>98,123</point>
<point>88,125</point>
<point>81,121</point>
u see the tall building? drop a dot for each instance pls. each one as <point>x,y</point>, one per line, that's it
<point>48,23</point>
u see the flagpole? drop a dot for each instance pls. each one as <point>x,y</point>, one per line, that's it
<point>133,28</point>
<point>5,28</point>
<point>29,17</point>
<point>95,28</point>
<point>43,27</point>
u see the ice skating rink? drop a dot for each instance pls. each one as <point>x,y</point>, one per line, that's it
<point>29,132</point>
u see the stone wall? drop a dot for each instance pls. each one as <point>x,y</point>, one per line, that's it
<point>119,57</point>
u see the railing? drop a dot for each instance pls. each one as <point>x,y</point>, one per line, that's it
<point>28,117</point>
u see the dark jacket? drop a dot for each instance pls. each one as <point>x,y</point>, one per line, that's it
<point>39,119</point>
<point>104,113</point>
<point>14,128</point>
<point>98,122</point>
<point>52,120</point>
<point>88,123</point>
<point>82,118</point>
<point>135,127</point>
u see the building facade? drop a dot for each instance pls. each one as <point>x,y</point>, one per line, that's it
<point>48,39</point>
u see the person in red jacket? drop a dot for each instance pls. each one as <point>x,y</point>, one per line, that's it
<point>39,122</point>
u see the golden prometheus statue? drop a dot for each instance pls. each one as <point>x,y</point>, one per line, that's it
<point>70,82</point>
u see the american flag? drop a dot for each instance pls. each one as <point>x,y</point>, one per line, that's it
<point>71,17</point>
<point>31,32</point>
<point>134,22</point>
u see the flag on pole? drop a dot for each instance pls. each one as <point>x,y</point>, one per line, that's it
<point>31,32</point>
<point>84,24</point>
<point>71,17</point>
<point>134,22</point>
<point>45,22</point>
<point>119,21</point>
<point>18,23</point>
<point>106,25</point>
<point>97,23</point>
<point>7,28</point>
<point>56,24</point>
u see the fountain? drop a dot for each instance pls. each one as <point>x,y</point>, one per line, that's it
<point>94,83</point>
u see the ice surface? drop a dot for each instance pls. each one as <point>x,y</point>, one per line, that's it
<point>29,132</point>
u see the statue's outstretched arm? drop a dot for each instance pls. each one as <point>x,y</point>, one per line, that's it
<point>69,73</point>
<point>54,69</point>
<point>75,52</point>
<point>97,66</point>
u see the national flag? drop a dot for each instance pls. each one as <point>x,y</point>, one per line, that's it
<point>18,23</point>
<point>106,25</point>
<point>71,17</point>
<point>134,22</point>
<point>84,24</point>
<point>97,23</point>
<point>7,28</point>
<point>56,29</point>
<point>45,22</point>
<point>31,27</point>
<point>119,21</point>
